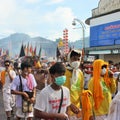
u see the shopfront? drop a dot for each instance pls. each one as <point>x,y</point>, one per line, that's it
<point>105,31</point>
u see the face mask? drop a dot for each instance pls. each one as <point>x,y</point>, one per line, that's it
<point>111,66</point>
<point>75,64</point>
<point>103,71</point>
<point>60,80</point>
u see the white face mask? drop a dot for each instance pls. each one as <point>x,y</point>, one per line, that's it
<point>75,64</point>
<point>103,71</point>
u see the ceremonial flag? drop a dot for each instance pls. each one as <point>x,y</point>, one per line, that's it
<point>27,50</point>
<point>31,50</point>
<point>39,54</point>
<point>35,50</point>
<point>57,52</point>
<point>22,52</point>
<point>0,51</point>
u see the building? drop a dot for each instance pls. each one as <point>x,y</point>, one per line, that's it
<point>105,31</point>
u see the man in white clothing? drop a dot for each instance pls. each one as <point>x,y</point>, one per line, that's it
<point>7,77</point>
<point>53,100</point>
<point>114,111</point>
<point>24,87</point>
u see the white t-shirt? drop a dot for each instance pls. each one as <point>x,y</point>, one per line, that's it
<point>7,85</point>
<point>49,100</point>
<point>16,86</point>
<point>116,74</point>
<point>114,110</point>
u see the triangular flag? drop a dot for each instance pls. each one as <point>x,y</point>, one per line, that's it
<point>0,51</point>
<point>57,52</point>
<point>31,50</point>
<point>22,52</point>
<point>35,50</point>
<point>27,51</point>
<point>39,54</point>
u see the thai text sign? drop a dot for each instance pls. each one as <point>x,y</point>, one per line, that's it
<point>105,34</point>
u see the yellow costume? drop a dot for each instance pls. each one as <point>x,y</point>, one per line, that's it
<point>102,88</point>
<point>75,89</point>
<point>3,73</point>
<point>38,65</point>
<point>74,80</point>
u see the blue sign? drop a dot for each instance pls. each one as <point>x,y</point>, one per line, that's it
<point>105,34</point>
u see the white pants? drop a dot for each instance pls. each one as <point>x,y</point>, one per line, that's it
<point>101,117</point>
<point>74,118</point>
<point>20,114</point>
<point>8,101</point>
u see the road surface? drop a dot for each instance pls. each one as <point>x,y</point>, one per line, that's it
<point>2,112</point>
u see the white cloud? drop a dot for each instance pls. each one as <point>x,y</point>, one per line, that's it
<point>6,8</point>
<point>62,18</point>
<point>18,18</point>
<point>32,1</point>
<point>58,20</point>
<point>6,33</point>
<point>15,17</point>
<point>33,34</point>
<point>54,2</point>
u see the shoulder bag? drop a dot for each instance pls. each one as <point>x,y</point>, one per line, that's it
<point>26,105</point>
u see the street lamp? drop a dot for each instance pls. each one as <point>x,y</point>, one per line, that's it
<point>83,30</point>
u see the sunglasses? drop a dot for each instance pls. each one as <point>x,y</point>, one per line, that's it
<point>6,64</point>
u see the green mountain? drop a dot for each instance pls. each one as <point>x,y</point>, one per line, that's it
<point>14,42</point>
<point>78,44</point>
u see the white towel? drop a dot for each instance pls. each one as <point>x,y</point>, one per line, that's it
<point>114,112</point>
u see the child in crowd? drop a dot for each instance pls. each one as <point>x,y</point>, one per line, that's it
<point>53,100</point>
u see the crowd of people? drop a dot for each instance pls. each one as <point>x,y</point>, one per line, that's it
<point>71,90</point>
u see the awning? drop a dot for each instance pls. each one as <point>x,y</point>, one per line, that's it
<point>100,52</point>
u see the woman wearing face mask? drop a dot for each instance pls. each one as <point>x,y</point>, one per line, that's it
<point>74,82</point>
<point>53,100</point>
<point>102,85</point>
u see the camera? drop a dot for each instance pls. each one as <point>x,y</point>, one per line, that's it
<point>116,75</point>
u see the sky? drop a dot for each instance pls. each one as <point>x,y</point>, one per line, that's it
<point>45,18</point>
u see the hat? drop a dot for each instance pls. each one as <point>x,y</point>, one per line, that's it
<point>73,50</point>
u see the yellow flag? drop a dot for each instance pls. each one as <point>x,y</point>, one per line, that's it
<point>60,44</point>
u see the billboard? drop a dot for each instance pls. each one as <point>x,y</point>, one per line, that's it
<point>105,34</point>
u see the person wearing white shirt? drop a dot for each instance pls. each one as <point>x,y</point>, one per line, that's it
<point>53,101</point>
<point>7,77</point>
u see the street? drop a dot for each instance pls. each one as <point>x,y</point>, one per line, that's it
<point>2,112</point>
